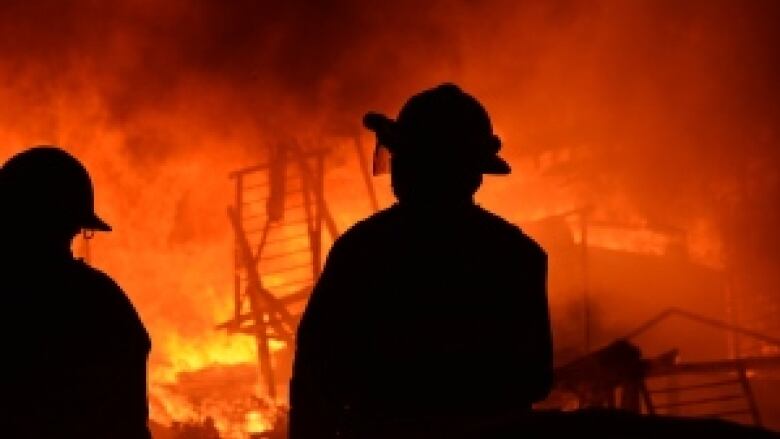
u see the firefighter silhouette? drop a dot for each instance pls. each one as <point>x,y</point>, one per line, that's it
<point>74,349</point>
<point>433,312</point>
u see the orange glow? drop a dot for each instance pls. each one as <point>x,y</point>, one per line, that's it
<point>257,423</point>
<point>645,113</point>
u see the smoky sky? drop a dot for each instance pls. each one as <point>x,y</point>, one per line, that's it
<point>675,103</point>
<point>266,58</point>
<point>325,57</point>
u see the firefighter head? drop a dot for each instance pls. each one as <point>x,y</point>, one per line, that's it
<point>440,145</point>
<point>47,193</point>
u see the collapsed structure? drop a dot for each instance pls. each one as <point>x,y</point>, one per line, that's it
<point>282,223</point>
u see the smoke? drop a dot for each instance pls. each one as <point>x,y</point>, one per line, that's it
<point>672,106</point>
<point>243,64</point>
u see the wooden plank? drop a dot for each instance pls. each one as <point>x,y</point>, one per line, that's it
<point>295,251</point>
<point>330,223</point>
<point>236,256</point>
<point>764,362</point>
<point>743,378</point>
<point>707,321</point>
<point>694,387</point>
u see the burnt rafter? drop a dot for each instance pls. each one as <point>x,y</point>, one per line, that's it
<point>279,219</point>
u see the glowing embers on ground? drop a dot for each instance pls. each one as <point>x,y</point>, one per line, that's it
<point>225,395</point>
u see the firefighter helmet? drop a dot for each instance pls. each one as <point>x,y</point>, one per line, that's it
<point>443,124</point>
<point>45,184</point>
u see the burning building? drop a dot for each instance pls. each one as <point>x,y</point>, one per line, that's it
<point>643,137</point>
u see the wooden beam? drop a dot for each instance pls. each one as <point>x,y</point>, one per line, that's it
<point>277,313</point>
<point>772,362</point>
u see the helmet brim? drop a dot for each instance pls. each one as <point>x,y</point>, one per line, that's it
<point>95,223</point>
<point>495,165</point>
<point>383,127</point>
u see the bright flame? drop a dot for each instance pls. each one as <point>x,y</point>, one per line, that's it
<point>257,422</point>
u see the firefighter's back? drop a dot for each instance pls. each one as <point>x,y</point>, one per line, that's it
<point>449,315</point>
<point>77,354</point>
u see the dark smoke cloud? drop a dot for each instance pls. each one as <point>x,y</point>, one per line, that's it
<point>234,62</point>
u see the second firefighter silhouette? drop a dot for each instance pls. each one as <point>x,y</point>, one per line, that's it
<point>74,348</point>
<point>431,312</point>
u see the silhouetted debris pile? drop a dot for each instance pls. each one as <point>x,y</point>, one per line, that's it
<point>591,423</point>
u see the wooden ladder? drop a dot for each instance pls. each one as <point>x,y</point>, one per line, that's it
<point>278,219</point>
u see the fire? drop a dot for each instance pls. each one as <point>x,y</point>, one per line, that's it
<point>162,102</point>
<point>256,422</point>
<point>195,353</point>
